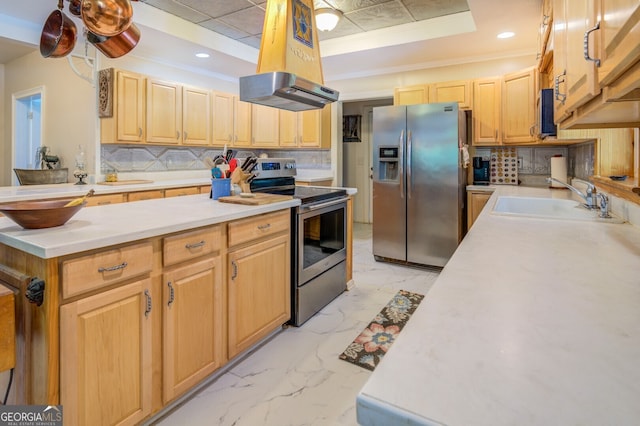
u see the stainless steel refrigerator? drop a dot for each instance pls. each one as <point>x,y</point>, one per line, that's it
<point>418,182</point>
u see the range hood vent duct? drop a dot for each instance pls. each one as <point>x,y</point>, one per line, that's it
<point>289,72</point>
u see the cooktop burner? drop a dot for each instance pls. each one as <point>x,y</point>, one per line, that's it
<point>308,194</point>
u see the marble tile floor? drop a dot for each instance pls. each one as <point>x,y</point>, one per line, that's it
<point>296,378</point>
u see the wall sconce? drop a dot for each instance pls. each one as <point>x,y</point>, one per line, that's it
<point>327,18</point>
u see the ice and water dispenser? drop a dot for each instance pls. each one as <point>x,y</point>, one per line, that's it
<point>389,163</point>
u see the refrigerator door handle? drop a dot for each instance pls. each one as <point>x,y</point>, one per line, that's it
<point>409,179</point>
<point>401,155</point>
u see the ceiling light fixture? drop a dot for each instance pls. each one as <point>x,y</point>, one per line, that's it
<point>202,55</point>
<point>327,18</point>
<point>506,34</point>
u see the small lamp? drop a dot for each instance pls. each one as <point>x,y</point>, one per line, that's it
<point>327,18</point>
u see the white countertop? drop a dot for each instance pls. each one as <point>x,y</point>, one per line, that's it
<point>101,226</point>
<point>532,322</point>
<point>313,175</point>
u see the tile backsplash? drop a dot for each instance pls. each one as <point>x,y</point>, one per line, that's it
<point>135,158</point>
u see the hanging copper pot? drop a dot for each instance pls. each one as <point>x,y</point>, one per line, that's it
<point>118,45</point>
<point>107,18</point>
<point>58,34</point>
<point>75,7</point>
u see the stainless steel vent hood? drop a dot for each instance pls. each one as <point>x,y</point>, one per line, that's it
<point>284,90</point>
<point>289,72</point>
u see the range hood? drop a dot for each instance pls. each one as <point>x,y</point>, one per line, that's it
<point>289,72</point>
<point>284,90</point>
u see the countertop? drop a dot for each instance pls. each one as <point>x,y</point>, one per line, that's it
<point>531,322</point>
<point>313,175</point>
<point>101,226</point>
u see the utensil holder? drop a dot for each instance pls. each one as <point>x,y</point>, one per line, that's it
<point>220,188</point>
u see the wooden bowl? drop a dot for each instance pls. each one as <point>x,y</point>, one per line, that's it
<point>40,214</point>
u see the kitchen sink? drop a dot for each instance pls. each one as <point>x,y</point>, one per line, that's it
<point>549,208</point>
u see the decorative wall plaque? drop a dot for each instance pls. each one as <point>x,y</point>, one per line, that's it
<point>105,93</point>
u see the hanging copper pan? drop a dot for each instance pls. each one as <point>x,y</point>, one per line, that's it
<point>107,18</point>
<point>118,45</point>
<point>58,34</point>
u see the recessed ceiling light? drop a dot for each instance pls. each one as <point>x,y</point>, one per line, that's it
<point>506,34</point>
<point>202,55</point>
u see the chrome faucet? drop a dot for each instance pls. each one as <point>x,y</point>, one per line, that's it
<point>590,199</point>
<point>604,205</point>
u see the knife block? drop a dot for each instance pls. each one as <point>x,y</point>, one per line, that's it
<point>239,177</point>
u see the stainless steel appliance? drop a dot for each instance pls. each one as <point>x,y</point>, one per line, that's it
<point>318,237</point>
<point>418,182</point>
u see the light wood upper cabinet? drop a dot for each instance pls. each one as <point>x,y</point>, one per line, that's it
<point>619,38</point>
<point>452,91</point>
<point>196,116</point>
<point>265,130</point>
<point>164,112</point>
<point>411,95</point>
<point>242,123</point>
<point>193,325</point>
<point>486,111</point>
<point>126,125</point>
<point>518,107</point>
<point>223,114</point>
<point>106,351</point>
<point>177,114</point>
<point>306,129</point>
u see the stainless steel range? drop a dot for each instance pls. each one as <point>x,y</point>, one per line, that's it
<point>318,236</point>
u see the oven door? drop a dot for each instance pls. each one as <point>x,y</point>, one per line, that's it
<point>321,238</point>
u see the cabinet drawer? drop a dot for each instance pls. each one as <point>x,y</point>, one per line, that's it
<point>178,192</point>
<point>102,200</point>
<point>253,228</point>
<point>145,195</point>
<point>189,245</point>
<point>92,271</point>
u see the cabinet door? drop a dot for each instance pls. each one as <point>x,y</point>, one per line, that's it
<point>288,128</point>
<point>265,126</point>
<point>476,202</point>
<point>486,111</point>
<point>129,110</point>
<point>105,348</point>
<point>164,112</point>
<point>560,24</point>
<point>259,292</point>
<point>518,107</point>
<point>309,128</point>
<point>241,123</point>
<point>223,111</point>
<point>196,116</point>
<point>619,38</point>
<point>581,77</point>
<point>411,95</point>
<point>193,325</point>
<point>452,91</point>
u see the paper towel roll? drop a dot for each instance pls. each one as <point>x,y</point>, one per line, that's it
<point>558,171</point>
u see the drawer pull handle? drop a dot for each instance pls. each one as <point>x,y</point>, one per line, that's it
<point>586,45</point>
<point>113,268</point>
<point>234,266</point>
<point>171,294</point>
<point>194,245</point>
<point>147,296</point>
<point>264,227</point>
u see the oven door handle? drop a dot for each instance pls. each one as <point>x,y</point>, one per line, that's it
<point>308,208</point>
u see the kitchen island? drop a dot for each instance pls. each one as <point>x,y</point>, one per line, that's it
<point>135,305</point>
<point>532,321</point>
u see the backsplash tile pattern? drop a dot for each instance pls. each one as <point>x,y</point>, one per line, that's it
<point>135,158</point>
<point>581,159</point>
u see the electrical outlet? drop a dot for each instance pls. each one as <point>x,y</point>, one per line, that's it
<point>519,163</point>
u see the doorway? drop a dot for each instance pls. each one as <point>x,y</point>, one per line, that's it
<point>26,129</point>
<point>357,158</point>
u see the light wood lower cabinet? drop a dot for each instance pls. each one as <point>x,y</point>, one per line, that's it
<point>259,293</point>
<point>475,203</point>
<point>192,325</point>
<point>105,351</point>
